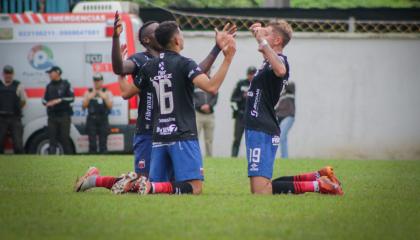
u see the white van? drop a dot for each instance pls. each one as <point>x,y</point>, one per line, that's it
<point>79,43</point>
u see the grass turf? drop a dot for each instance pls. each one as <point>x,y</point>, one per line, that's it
<point>36,202</point>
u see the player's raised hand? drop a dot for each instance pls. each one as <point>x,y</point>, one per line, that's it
<point>229,48</point>
<point>117,25</point>
<point>124,51</point>
<point>255,25</point>
<point>228,30</point>
<point>258,31</point>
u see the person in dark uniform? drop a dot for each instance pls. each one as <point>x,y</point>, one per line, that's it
<point>58,99</point>
<point>142,142</point>
<point>238,103</point>
<point>12,100</point>
<point>98,102</point>
<point>261,125</point>
<point>175,144</point>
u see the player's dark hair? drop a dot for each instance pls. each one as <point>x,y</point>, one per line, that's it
<point>165,32</point>
<point>141,31</point>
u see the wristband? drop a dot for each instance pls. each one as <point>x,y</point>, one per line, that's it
<point>263,43</point>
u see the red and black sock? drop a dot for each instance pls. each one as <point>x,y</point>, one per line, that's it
<point>304,177</point>
<point>105,181</point>
<point>280,186</point>
<point>171,187</point>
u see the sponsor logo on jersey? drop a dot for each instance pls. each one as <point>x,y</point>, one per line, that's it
<point>254,113</point>
<point>162,66</point>
<point>191,73</point>
<point>166,120</point>
<point>166,130</point>
<point>256,104</point>
<point>275,140</point>
<point>149,106</point>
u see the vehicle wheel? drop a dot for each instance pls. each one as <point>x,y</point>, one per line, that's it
<point>39,144</point>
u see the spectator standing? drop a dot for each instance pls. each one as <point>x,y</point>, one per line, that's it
<point>285,111</point>
<point>98,102</point>
<point>58,99</point>
<point>204,107</point>
<point>238,103</point>
<point>12,100</point>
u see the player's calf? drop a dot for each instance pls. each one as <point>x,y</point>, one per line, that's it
<point>143,186</point>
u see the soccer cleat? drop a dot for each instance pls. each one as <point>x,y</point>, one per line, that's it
<point>81,183</point>
<point>140,185</point>
<point>328,171</point>
<point>326,186</point>
<point>119,186</point>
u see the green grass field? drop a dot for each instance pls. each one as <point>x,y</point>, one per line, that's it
<point>381,201</point>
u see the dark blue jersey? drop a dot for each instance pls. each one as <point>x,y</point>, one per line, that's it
<point>263,95</point>
<point>171,76</point>
<point>145,107</point>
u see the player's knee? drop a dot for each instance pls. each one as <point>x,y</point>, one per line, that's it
<point>197,191</point>
<point>197,187</point>
<point>260,185</point>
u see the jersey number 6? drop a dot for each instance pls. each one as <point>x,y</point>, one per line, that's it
<point>164,95</point>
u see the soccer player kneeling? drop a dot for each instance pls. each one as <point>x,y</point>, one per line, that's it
<point>262,131</point>
<point>176,151</point>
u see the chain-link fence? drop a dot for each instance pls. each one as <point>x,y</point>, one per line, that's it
<point>208,22</point>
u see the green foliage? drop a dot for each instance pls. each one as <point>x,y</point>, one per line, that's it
<point>381,201</point>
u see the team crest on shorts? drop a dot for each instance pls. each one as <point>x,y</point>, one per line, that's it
<point>142,164</point>
<point>275,140</point>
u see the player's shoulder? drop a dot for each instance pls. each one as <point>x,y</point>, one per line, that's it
<point>186,59</point>
<point>140,58</point>
<point>139,55</point>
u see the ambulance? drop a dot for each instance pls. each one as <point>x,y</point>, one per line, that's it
<point>80,44</point>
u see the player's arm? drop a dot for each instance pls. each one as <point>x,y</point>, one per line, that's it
<point>277,65</point>
<point>119,66</point>
<point>228,29</point>
<point>127,89</point>
<point>213,84</point>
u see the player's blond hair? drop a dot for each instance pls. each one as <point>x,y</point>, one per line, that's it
<point>283,28</point>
